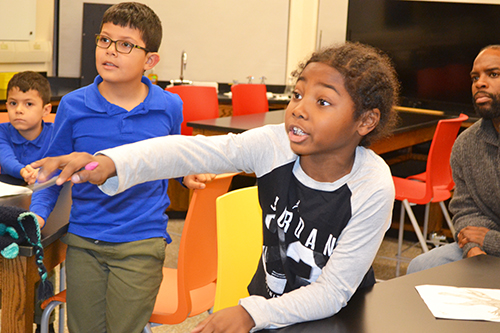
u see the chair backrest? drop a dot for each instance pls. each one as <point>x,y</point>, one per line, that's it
<point>199,103</point>
<point>438,169</point>
<point>249,99</point>
<point>239,244</point>
<point>4,117</point>
<point>50,118</point>
<point>197,260</point>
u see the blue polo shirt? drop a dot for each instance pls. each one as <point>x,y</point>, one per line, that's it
<point>16,152</point>
<point>87,122</point>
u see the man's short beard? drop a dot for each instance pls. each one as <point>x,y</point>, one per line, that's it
<point>489,112</point>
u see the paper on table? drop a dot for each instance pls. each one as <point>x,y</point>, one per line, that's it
<point>10,190</point>
<point>461,303</point>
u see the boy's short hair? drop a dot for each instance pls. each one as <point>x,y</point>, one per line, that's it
<point>28,80</point>
<point>369,78</point>
<point>136,16</point>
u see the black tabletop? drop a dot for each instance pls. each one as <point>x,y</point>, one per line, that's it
<point>395,305</point>
<point>56,224</point>
<point>408,121</point>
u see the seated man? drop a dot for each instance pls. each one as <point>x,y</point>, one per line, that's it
<point>474,161</point>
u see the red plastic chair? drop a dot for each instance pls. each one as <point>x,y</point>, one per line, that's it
<point>249,99</point>
<point>189,289</point>
<point>432,186</point>
<point>199,103</point>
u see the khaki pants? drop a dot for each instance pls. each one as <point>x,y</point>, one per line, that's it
<point>112,287</point>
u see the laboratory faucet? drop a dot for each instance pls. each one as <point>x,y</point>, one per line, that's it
<point>184,58</point>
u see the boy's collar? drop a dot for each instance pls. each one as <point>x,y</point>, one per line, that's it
<point>95,101</point>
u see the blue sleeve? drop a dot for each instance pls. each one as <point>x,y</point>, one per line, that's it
<point>9,163</point>
<point>61,143</point>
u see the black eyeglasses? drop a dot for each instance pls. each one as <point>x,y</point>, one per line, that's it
<point>121,46</point>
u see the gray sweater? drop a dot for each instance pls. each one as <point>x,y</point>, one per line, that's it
<point>475,161</point>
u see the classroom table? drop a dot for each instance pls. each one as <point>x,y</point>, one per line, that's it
<point>395,306</point>
<point>19,275</point>
<point>413,128</point>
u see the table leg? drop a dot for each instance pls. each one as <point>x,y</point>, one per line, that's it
<point>18,292</point>
<point>18,278</point>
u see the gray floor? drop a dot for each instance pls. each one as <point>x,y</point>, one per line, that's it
<point>384,266</point>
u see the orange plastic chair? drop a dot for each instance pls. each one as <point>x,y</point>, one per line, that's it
<point>4,117</point>
<point>199,103</point>
<point>189,289</point>
<point>432,186</point>
<point>50,117</point>
<point>249,99</point>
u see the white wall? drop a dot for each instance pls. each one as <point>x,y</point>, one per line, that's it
<point>17,19</point>
<point>225,40</point>
<point>311,23</point>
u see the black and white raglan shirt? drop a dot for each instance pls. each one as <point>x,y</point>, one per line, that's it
<point>330,232</point>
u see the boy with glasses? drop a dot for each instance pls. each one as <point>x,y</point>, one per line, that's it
<point>116,246</point>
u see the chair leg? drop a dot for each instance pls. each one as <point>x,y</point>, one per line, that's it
<point>44,325</point>
<point>426,220</point>
<point>62,286</point>
<point>416,227</point>
<point>147,328</point>
<point>447,218</point>
<point>400,239</point>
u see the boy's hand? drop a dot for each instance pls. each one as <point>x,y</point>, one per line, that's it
<point>41,222</point>
<point>194,182</point>
<point>230,320</point>
<point>72,165</point>
<point>29,174</point>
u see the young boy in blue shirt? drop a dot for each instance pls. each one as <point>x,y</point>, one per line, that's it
<point>25,138</point>
<point>116,246</point>
<point>326,199</point>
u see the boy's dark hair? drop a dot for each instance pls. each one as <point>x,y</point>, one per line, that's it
<point>28,80</point>
<point>369,78</point>
<point>136,16</point>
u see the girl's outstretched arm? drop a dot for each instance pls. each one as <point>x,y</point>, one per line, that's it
<point>75,166</point>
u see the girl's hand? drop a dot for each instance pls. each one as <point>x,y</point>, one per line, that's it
<point>194,182</point>
<point>230,320</point>
<point>72,167</point>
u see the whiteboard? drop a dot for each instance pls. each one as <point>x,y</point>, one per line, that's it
<point>13,24</point>
<point>225,40</point>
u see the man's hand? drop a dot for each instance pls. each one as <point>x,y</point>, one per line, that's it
<point>72,165</point>
<point>472,234</point>
<point>194,182</point>
<point>230,320</point>
<point>475,251</point>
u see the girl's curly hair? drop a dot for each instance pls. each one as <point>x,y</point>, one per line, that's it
<point>369,78</point>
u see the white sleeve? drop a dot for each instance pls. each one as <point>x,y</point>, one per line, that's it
<point>344,271</point>
<point>254,151</point>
